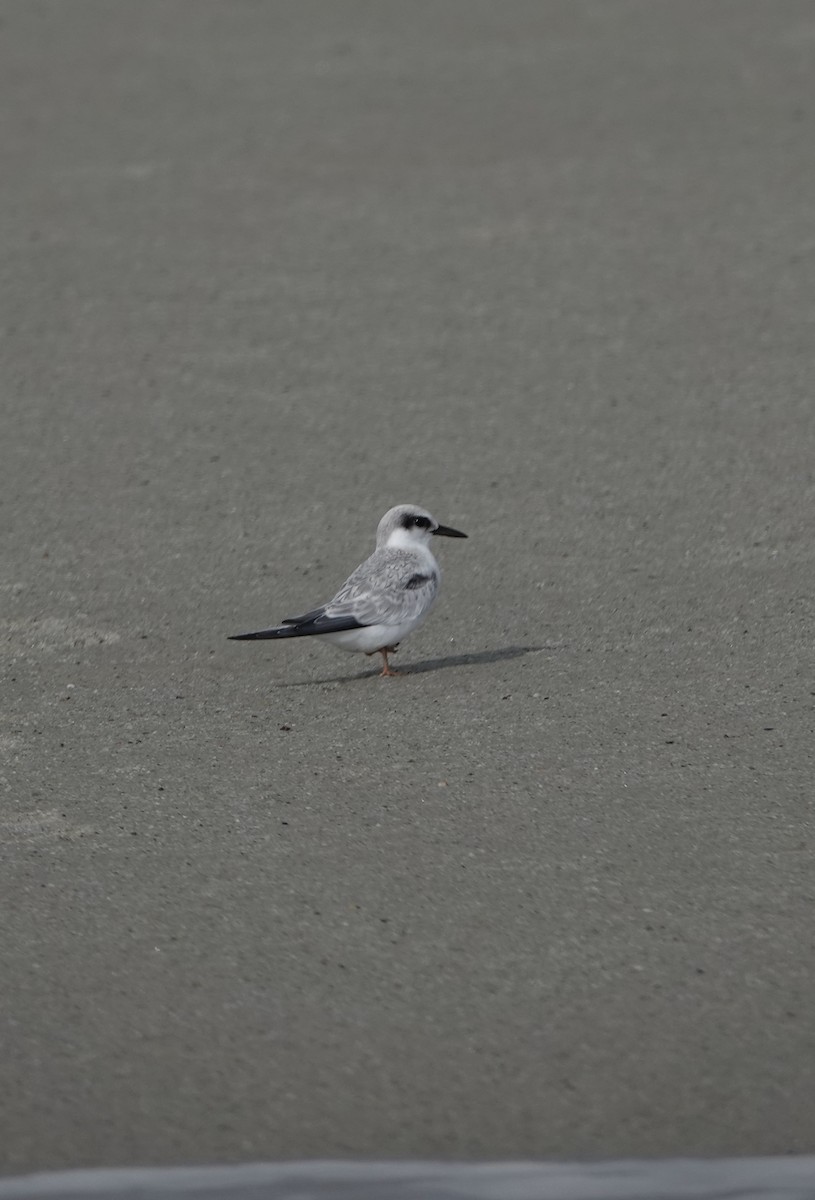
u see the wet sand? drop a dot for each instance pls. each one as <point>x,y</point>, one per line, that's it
<point>546,269</point>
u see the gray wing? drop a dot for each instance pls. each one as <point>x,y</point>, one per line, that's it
<point>389,588</point>
<point>392,587</point>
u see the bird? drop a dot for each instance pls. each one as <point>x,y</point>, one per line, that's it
<point>386,598</point>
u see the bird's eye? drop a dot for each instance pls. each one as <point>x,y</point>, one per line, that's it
<point>421,522</point>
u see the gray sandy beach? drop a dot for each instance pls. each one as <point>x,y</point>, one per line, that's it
<point>545,267</point>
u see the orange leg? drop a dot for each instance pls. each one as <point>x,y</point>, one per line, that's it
<point>384,651</point>
<point>386,670</point>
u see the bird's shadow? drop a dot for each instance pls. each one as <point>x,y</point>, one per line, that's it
<point>479,658</point>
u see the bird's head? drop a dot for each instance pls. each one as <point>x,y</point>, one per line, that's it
<point>409,526</point>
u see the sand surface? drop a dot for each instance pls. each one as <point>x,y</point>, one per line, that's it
<point>547,269</point>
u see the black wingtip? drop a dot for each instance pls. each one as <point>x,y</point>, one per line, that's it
<point>254,637</point>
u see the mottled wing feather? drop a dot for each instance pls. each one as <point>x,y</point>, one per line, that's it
<point>389,588</point>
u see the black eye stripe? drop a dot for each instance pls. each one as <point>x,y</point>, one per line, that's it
<point>412,521</point>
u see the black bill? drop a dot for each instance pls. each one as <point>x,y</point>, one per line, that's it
<point>446,531</point>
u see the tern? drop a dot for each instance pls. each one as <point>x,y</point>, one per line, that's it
<point>386,598</point>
